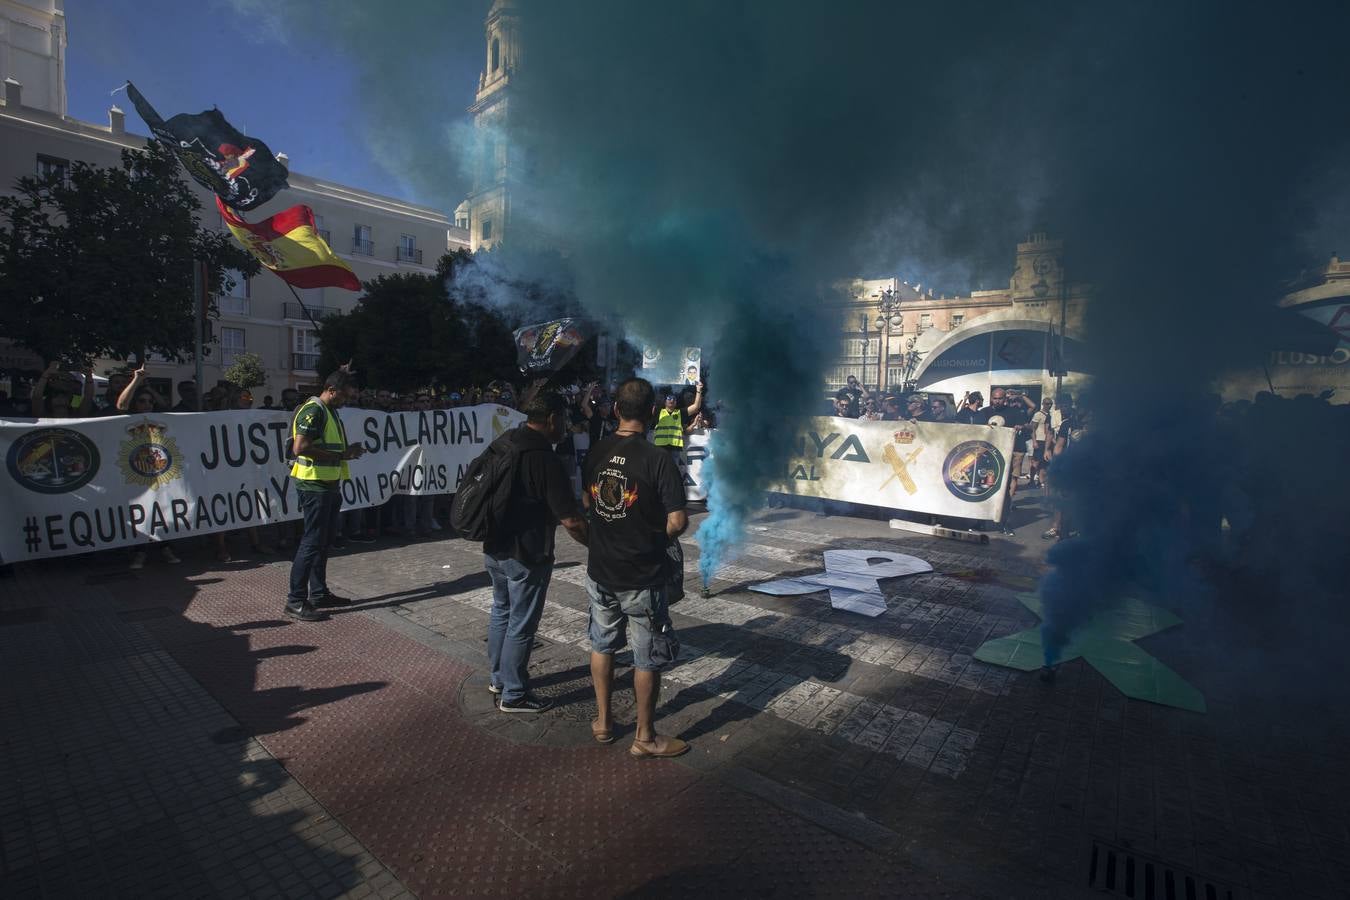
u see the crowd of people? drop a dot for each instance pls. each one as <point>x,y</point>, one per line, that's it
<point>1040,430</point>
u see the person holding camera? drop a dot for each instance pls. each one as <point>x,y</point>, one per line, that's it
<point>321,453</point>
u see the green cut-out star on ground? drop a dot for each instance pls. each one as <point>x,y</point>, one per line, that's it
<point>1106,642</point>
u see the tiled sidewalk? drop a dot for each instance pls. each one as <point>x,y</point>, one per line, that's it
<point>174,734</point>
<point>195,743</point>
<point>121,775</point>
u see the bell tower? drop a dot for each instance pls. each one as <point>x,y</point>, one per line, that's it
<point>1038,272</point>
<point>489,203</point>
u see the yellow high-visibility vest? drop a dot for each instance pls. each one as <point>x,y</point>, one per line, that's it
<point>669,430</point>
<point>334,439</point>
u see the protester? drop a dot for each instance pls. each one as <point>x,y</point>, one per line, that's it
<point>1011,408</point>
<point>842,406</point>
<point>117,383</point>
<point>138,397</point>
<point>1041,434</point>
<point>54,394</point>
<point>1071,429</point>
<point>669,432</point>
<point>970,412</point>
<point>187,397</point>
<point>855,393</point>
<point>916,409</point>
<point>937,409</point>
<point>321,454</point>
<point>290,399</point>
<point>635,496</point>
<point>890,409</point>
<point>519,556</point>
<point>267,402</point>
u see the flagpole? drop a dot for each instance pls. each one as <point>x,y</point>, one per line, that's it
<point>303,307</point>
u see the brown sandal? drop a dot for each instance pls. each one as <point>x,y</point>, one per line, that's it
<point>602,735</point>
<point>673,747</point>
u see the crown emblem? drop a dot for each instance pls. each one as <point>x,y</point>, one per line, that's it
<point>904,436</point>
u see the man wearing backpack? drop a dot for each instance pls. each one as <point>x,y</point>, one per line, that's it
<point>518,550</point>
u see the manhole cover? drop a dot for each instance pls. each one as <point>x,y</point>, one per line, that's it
<point>1124,873</point>
<point>574,698</point>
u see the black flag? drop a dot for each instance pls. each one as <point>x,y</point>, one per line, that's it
<point>239,169</point>
<point>548,346</point>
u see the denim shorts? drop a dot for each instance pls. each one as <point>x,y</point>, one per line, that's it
<point>614,613</point>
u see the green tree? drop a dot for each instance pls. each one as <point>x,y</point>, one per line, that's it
<point>99,263</point>
<point>246,371</point>
<point>407,332</point>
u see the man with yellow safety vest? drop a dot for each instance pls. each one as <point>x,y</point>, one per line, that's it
<point>670,422</point>
<point>321,453</point>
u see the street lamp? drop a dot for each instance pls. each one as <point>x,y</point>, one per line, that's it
<point>863,323</point>
<point>910,360</point>
<point>888,317</point>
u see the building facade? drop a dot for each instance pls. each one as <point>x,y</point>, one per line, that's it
<point>33,51</point>
<point>486,214</point>
<point>376,235</point>
<point>895,335</point>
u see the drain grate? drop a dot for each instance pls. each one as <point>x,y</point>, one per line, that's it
<point>26,616</point>
<point>1124,873</point>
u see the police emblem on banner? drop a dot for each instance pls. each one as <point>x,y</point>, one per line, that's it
<point>149,457</point>
<point>52,460</point>
<point>898,457</point>
<point>973,471</point>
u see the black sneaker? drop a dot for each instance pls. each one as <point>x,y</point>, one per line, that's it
<point>527,704</point>
<point>305,613</point>
<point>330,600</point>
<point>494,688</point>
<point>339,543</point>
<point>362,538</point>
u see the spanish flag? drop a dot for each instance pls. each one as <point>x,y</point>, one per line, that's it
<point>290,245</point>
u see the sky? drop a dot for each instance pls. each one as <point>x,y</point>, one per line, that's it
<point>280,81</point>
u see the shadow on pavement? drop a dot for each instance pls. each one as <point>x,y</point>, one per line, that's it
<point>142,784</point>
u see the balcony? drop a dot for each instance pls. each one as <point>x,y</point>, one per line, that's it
<point>366,248</point>
<point>235,306</point>
<point>296,311</point>
<point>409,254</point>
<point>304,362</point>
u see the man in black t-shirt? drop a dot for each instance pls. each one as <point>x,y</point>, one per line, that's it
<point>519,556</point>
<point>635,495</point>
<point>970,412</point>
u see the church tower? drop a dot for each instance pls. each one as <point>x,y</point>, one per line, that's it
<point>489,203</point>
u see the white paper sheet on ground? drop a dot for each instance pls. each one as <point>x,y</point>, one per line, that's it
<point>853,581</point>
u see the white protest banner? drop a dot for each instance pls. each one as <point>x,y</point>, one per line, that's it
<point>696,450</point>
<point>931,467</point>
<point>77,485</point>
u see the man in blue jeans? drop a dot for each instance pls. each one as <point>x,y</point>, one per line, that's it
<point>321,452</point>
<point>519,556</point>
<point>636,498</point>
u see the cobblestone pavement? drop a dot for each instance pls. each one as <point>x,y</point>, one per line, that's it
<point>177,736</point>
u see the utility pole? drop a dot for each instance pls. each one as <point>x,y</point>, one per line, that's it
<point>198,321</point>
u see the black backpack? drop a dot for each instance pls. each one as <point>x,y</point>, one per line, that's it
<point>483,499</point>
